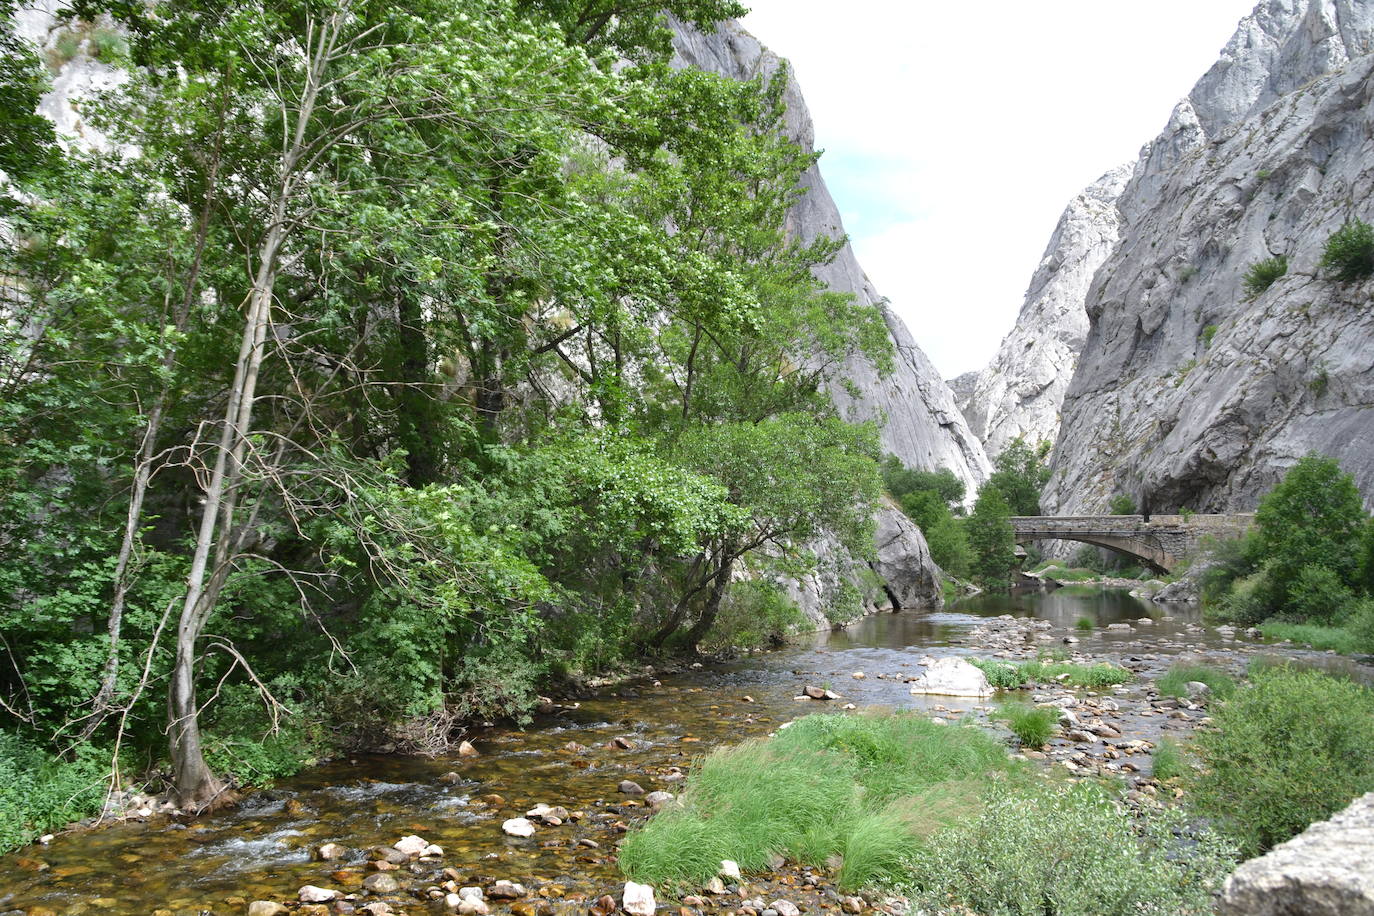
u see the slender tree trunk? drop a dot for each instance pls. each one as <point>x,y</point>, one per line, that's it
<point>709,613</point>
<point>196,786</point>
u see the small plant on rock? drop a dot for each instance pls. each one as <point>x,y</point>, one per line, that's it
<point>1349,252</point>
<point>1262,274</point>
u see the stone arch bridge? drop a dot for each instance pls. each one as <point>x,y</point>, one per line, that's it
<point>1161,542</point>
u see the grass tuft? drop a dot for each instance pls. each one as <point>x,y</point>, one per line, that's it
<point>1339,639</point>
<point>1032,725</point>
<point>1085,624</point>
<point>1174,682</point>
<point>1168,760</point>
<point>1009,676</point>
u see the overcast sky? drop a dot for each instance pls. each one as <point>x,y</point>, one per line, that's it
<point>955,133</point>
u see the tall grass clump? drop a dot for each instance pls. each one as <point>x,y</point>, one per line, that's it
<point>1261,275</point>
<point>1085,624</point>
<point>1322,638</point>
<point>39,793</point>
<point>1070,850</point>
<point>1180,674</point>
<point>1349,252</point>
<point>1292,748</point>
<point>858,786</point>
<point>1168,760</point>
<point>1011,675</point>
<point>1032,725</point>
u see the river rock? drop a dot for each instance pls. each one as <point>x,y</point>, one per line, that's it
<point>390,855</point>
<point>1197,689</point>
<point>465,749</point>
<point>312,894</point>
<point>630,787</point>
<point>715,886</point>
<point>376,908</point>
<point>729,868</point>
<point>659,799</point>
<point>638,899</point>
<point>471,906</point>
<point>506,890</point>
<point>784,908</point>
<point>1327,870</point>
<point>411,845</point>
<point>952,677</point>
<point>518,826</point>
<point>553,815</point>
<point>450,778</point>
<point>329,852</point>
<point>266,908</point>
<point>381,883</point>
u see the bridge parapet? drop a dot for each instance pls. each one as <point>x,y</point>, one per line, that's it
<point>1162,542</point>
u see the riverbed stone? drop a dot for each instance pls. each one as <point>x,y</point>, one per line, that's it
<point>729,868</point>
<point>518,826</point>
<point>376,908</point>
<point>381,883</point>
<point>329,852</point>
<point>266,908</point>
<point>312,894</point>
<point>638,899</point>
<point>411,845</point>
<point>952,677</point>
<point>630,787</point>
<point>506,890</point>
<point>465,749</point>
<point>1327,870</point>
<point>659,799</point>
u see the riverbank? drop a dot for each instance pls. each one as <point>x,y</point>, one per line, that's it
<point>577,754</point>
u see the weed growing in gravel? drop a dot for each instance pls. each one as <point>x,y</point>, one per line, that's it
<point>1174,682</point>
<point>1032,725</point>
<point>1009,675</point>
<point>1085,624</point>
<point>1168,760</point>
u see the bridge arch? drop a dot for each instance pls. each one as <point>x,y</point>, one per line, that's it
<point>1161,543</point>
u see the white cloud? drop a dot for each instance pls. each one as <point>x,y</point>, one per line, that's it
<point>956,133</point>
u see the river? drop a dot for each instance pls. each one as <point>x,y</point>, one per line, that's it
<point>262,849</point>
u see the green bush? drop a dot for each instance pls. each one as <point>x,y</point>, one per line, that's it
<point>1032,725</point>
<point>1085,624</point>
<point>858,786</point>
<point>1318,595</point>
<point>1261,275</point>
<point>1173,683</point>
<point>1168,760</point>
<point>1292,748</point>
<point>1121,505</point>
<point>754,614</point>
<point>1208,333</point>
<point>39,793</point>
<point>1321,638</point>
<point>1349,252</point>
<point>1251,600</point>
<point>1068,850</point>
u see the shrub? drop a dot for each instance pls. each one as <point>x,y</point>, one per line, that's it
<point>1261,275</point>
<point>858,786</point>
<point>39,792</point>
<point>1032,725</point>
<point>1318,595</point>
<point>1349,252</point>
<point>1085,624</point>
<point>1208,333</point>
<point>1069,850</point>
<point>1292,748</point>
<point>1121,505</point>
<point>1173,683</point>
<point>1251,600</point>
<point>755,614</point>
<point>1168,760</point>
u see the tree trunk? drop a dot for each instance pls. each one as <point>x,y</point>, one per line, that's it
<point>708,614</point>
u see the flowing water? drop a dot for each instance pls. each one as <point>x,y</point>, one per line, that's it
<point>262,849</point>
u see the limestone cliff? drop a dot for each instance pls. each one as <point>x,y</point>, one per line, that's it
<point>1020,391</point>
<point>924,426</point>
<point>1187,389</point>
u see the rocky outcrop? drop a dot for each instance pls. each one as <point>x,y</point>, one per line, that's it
<point>1020,391</point>
<point>1327,870</point>
<point>922,423</point>
<point>1187,389</point>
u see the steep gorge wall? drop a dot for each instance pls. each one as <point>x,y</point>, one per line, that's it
<point>1185,389</point>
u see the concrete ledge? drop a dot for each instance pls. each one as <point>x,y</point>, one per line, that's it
<point>1327,870</point>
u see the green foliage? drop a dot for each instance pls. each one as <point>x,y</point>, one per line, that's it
<point>1032,725</point>
<point>1168,761</point>
<point>1020,472</point>
<point>1319,596</point>
<point>991,538</point>
<point>1349,252</point>
<point>1314,517</point>
<point>1070,850</point>
<point>1293,747</point>
<point>901,481</point>
<point>1261,275</point>
<point>1347,640</point>
<point>858,786</point>
<point>1121,505</point>
<point>1011,675</point>
<point>39,792</point>
<point>755,614</point>
<point>1085,624</point>
<point>1174,681</point>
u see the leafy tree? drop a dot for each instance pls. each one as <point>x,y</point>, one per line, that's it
<point>1020,473</point>
<point>991,538</point>
<point>1314,517</point>
<point>901,481</point>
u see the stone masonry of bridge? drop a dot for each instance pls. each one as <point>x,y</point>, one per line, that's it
<point>1162,542</point>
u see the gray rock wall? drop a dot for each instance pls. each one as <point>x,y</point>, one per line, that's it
<point>1327,870</point>
<point>1186,389</point>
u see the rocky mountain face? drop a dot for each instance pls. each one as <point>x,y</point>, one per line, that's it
<point>1188,389</point>
<point>921,422</point>
<point>924,426</point>
<point>1020,391</point>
